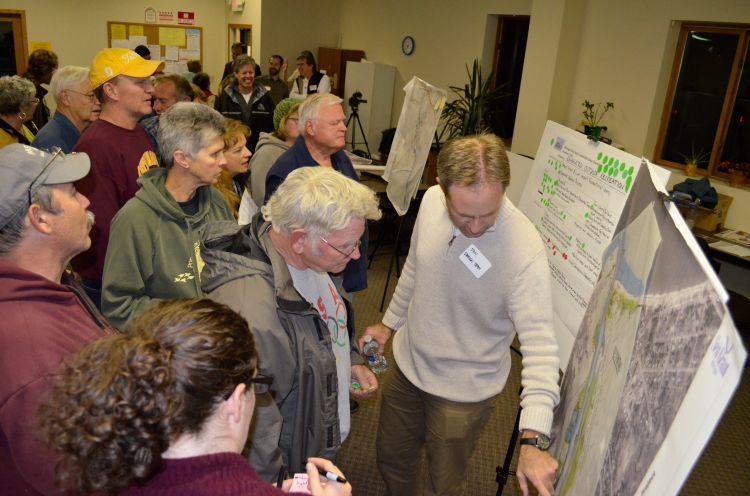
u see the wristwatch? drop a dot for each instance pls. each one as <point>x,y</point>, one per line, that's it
<point>540,442</point>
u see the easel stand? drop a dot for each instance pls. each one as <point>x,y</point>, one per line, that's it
<point>355,117</point>
<point>503,472</point>
<point>394,256</point>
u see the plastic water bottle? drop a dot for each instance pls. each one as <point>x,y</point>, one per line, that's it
<point>375,360</point>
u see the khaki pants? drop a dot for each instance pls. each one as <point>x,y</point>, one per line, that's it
<point>409,418</point>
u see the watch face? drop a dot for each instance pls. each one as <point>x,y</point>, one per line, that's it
<point>542,442</point>
<point>407,45</point>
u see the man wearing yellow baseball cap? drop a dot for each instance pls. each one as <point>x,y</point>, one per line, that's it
<point>119,148</point>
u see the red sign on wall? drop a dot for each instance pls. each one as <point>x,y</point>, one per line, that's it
<point>186,18</point>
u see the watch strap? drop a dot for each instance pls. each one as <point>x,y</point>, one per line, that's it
<point>540,442</point>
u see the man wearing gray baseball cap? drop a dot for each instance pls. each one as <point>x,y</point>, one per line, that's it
<point>45,316</point>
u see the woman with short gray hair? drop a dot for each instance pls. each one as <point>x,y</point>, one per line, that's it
<point>17,104</point>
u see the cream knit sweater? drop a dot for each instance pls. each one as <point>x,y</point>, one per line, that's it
<point>455,330</point>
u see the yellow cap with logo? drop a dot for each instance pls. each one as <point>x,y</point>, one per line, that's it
<point>112,62</point>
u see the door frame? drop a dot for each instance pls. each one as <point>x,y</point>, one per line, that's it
<point>20,40</point>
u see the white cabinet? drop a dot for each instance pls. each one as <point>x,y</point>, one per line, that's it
<point>375,82</point>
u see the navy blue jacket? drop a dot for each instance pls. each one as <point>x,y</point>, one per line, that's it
<point>57,133</point>
<point>355,273</point>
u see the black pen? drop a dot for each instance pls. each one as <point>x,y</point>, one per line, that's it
<point>332,476</point>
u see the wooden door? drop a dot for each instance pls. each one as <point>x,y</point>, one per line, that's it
<point>13,45</point>
<point>333,62</point>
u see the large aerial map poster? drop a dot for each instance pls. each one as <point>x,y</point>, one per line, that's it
<point>654,363</point>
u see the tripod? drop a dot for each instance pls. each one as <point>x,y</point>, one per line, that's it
<point>355,116</point>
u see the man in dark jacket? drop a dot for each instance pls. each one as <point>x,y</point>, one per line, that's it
<point>154,245</point>
<point>45,317</point>
<point>247,100</point>
<point>274,271</point>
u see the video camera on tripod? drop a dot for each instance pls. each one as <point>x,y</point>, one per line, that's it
<point>355,100</point>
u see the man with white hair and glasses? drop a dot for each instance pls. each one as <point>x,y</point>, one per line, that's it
<point>274,271</point>
<point>77,108</point>
<point>46,318</point>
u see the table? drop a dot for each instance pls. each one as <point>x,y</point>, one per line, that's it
<point>723,255</point>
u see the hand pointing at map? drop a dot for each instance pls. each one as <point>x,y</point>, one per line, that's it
<point>539,468</point>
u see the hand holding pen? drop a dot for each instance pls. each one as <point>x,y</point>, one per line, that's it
<point>325,478</point>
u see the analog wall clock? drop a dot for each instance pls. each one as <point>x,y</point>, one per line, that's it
<point>407,45</point>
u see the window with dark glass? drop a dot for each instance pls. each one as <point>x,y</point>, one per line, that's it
<point>708,101</point>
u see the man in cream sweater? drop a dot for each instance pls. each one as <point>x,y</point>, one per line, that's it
<point>476,275</point>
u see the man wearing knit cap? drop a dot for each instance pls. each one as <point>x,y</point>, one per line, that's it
<point>119,147</point>
<point>45,318</point>
<point>476,276</point>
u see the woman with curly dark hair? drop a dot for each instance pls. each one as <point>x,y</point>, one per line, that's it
<point>164,409</point>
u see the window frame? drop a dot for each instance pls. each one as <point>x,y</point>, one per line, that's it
<point>741,54</point>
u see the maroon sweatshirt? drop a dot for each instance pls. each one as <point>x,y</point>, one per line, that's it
<point>41,323</point>
<point>219,474</point>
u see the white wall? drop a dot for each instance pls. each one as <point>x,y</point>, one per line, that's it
<point>290,26</point>
<point>448,35</point>
<point>251,15</point>
<point>78,29</point>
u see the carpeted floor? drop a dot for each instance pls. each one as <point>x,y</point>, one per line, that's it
<point>723,468</point>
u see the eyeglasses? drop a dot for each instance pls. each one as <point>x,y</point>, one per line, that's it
<point>57,152</point>
<point>346,255</point>
<point>34,101</point>
<point>261,385</point>
<point>90,96</point>
<point>295,119</point>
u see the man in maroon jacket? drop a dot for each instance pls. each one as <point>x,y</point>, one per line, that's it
<point>119,148</point>
<point>43,224</point>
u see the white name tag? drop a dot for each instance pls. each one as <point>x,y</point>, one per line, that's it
<point>475,261</point>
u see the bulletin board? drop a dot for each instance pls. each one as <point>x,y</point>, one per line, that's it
<point>173,44</point>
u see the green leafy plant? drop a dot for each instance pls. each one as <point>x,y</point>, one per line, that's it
<point>695,157</point>
<point>594,112</point>
<point>474,104</point>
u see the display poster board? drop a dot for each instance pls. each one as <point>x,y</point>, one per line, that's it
<point>574,196</point>
<point>650,353</point>
<point>175,45</point>
<point>655,361</point>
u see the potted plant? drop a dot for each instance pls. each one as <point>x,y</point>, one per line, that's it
<point>694,160</point>
<point>738,173</point>
<point>592,116</point>
<point>475,102</point>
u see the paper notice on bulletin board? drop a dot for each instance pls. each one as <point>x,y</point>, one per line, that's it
<point>189,55</point>
<point>155,51</point>
<point>123,44</point>
<point>171,53</point>
<point>118,32</point>
<point>175,67</point>
<point>172,36</point>
<point>138,40</point>
<point>193,41</point>
<point>136,30</point>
